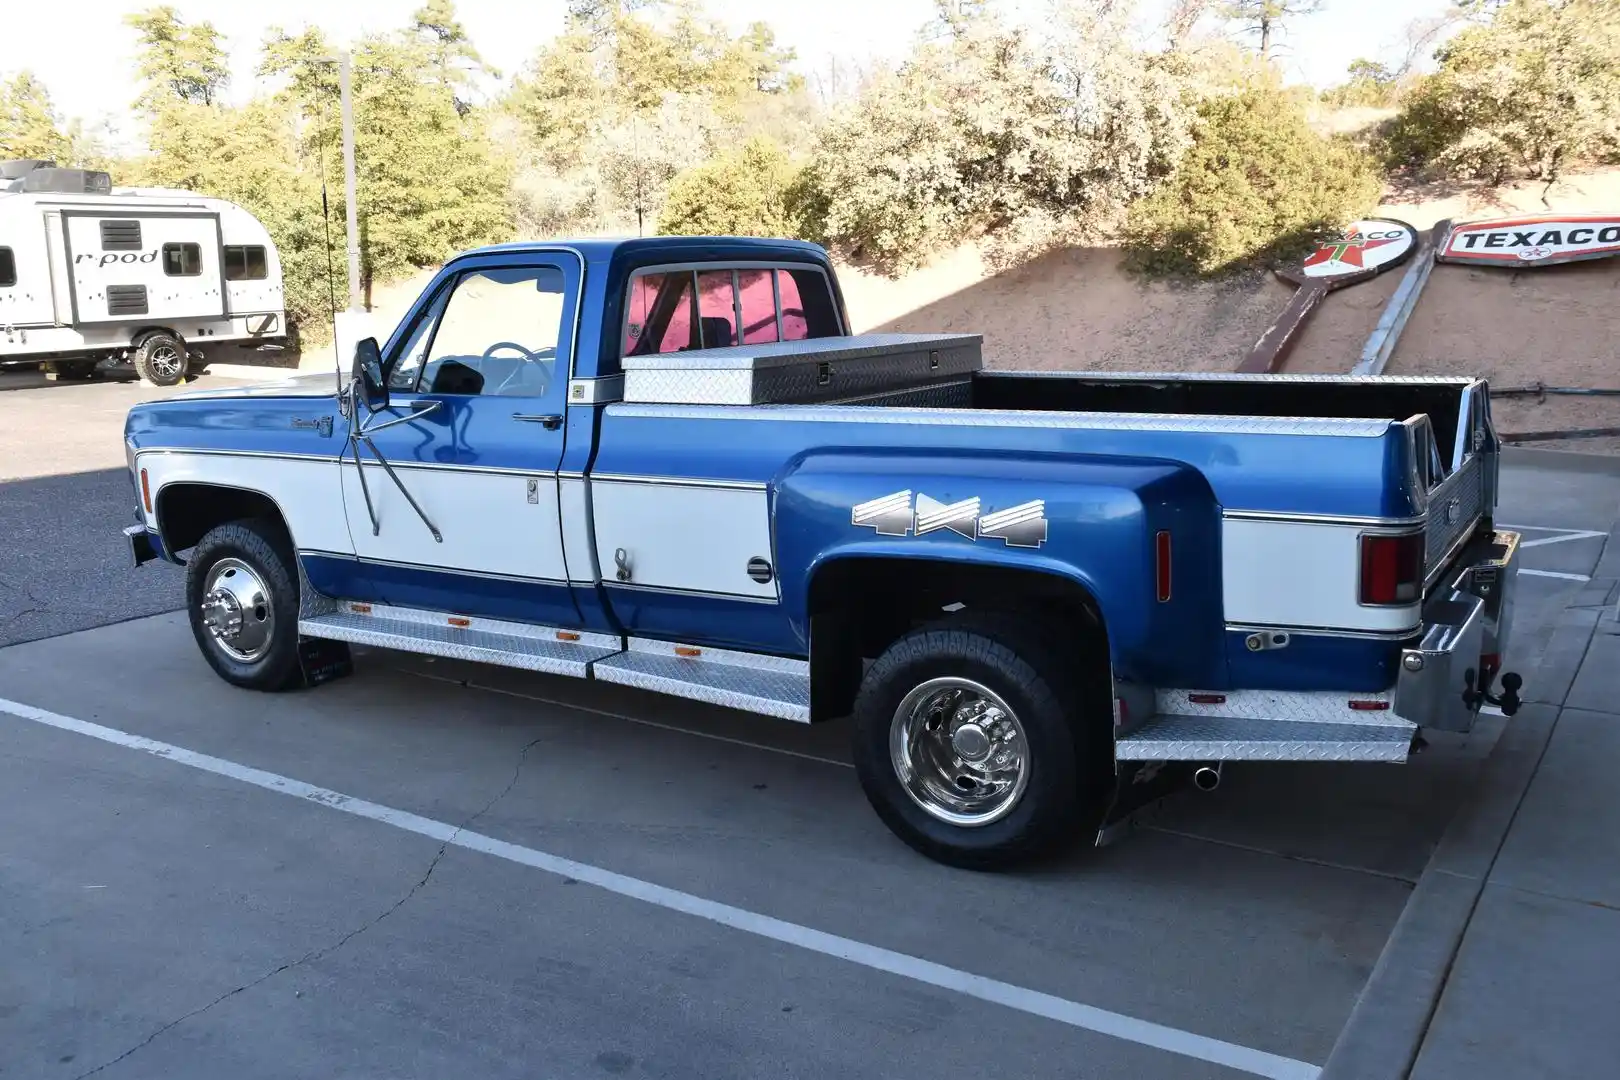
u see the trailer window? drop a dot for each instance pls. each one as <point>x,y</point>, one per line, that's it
<point>182,260</point>
<point>120,235</point>
<point>8,268</point>
<point>246,263</point>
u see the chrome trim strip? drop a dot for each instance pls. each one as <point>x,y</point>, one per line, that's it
<point>679,481</point>
<point>542,474</point>
<point>670,591</point>
<point>330,459</point>
<point>1330,427</point>
<point>1347,520</point>
<point>1392,636</point>
<point>1234,377</point>
<point>603,390</point>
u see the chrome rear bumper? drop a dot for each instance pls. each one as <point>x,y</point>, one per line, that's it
<point>1447,675</point>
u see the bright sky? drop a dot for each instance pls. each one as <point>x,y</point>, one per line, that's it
<point>84,53</point>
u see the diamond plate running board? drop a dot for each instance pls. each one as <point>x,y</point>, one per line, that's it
<point>770,685</point>
<point>1169,737</point>
<point>454,637</point>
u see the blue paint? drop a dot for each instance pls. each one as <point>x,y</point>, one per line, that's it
<point>1314,662</point>
<point>700,619</point>
<point>550,603</point>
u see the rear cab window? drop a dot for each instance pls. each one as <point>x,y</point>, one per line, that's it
<point>673,309</point>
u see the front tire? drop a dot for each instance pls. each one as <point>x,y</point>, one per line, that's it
<point>971,743</point>
<point>161,359</point>
<point>242,599</point>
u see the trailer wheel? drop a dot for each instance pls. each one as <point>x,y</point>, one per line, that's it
<point>242,598</point>
<point>160,359</point>
<point>970,745</point>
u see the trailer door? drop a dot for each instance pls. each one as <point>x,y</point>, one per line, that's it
<point>143,266</point>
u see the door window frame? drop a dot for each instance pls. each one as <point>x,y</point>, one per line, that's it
<point>567,261</point>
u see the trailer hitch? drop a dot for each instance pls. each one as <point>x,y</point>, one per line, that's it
<point>1508,700</point>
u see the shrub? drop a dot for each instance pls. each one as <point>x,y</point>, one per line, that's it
<point>1529,92</point>
<point>740,194</point>
<point>1257,186</point>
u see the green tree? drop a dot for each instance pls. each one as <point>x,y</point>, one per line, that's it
<point>178,60</point>
<point>1367,83</point>
<point>430,182</point>
<point>450,49</point>
<point>1266,19</point>
<point>1529,90</point>
<point>745,193</point>
<point>1257,186</point>
<point>989,134</point>
<point>29,126</point>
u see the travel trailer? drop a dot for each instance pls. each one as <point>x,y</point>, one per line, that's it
<point>93,277</point>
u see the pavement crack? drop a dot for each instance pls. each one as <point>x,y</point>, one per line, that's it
<point>327,950</point>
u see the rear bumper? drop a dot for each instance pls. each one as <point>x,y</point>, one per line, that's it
<point>1467,619</point>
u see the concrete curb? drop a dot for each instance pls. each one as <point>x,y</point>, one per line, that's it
<point>1391,1017</point>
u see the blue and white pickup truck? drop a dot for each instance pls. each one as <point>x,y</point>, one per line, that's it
<point>1043,598</point>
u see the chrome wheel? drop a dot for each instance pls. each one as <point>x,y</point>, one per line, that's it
<point>236,610</point>
<point>959,751</point>
<point>166,361</point>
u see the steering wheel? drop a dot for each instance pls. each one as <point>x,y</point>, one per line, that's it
<point>530,356</point>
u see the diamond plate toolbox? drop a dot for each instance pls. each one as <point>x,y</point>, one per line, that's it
<point>816,371</point>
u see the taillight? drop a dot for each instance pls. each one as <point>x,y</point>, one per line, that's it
<point>1392,569</point>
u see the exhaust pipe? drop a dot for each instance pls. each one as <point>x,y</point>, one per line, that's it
<point>1207,777</point>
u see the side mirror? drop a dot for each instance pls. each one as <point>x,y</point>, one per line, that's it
<point>368,373</point>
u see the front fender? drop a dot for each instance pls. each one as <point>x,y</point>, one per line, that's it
<point>1091,520</point>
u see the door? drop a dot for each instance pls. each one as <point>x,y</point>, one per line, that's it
<point>473,436</point>
<point>142,267</point>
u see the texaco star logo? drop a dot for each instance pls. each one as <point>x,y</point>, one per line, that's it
<point>1346,250</point>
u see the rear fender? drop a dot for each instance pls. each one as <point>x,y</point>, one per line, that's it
<point>1091,521</point>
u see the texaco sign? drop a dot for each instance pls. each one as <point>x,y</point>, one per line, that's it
<point>1372,245</point>
<point>1533,240</point>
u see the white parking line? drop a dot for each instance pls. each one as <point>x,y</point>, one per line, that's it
<point>1072,1013</point>
<point>1554,574</point>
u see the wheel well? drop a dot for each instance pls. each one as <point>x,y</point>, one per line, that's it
<point>140,336</point>
<point>186,512</point>
<point>858,607</point>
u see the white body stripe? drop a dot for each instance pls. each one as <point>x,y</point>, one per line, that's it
<point>487,521</point>
<point>1289,573</point>
<point>306,489</point>
<point>677,537</point>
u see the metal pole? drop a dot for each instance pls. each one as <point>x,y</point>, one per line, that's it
<point>352,216</point>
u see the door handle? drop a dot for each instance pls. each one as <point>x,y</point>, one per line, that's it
<point>549,421</point>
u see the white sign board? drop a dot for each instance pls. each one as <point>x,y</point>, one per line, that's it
<point>1371,245</point>
<point>1535,240</point>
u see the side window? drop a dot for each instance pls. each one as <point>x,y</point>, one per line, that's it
<point>807,305</point>
<point>756,292</point>
<point>658,314</point>
<point>8,268</point>
<point>246,263</point>
<point>407,369</point>
<point>120,235</point>
<point>717,309</point>
<point>497,335</point>
<point>182,260</point>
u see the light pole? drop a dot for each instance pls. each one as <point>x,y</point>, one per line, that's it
<point>351,215</point>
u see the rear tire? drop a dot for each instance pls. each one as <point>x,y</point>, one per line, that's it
<point>161,360</point>
<point>972,743</point>
<point>242,599</point>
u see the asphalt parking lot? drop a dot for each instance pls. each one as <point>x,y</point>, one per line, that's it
<point>435,869</point>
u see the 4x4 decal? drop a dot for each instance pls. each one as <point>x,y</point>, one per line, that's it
<point>903,514</point>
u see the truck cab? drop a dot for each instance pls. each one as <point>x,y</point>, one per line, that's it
<point>1043,599</point>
